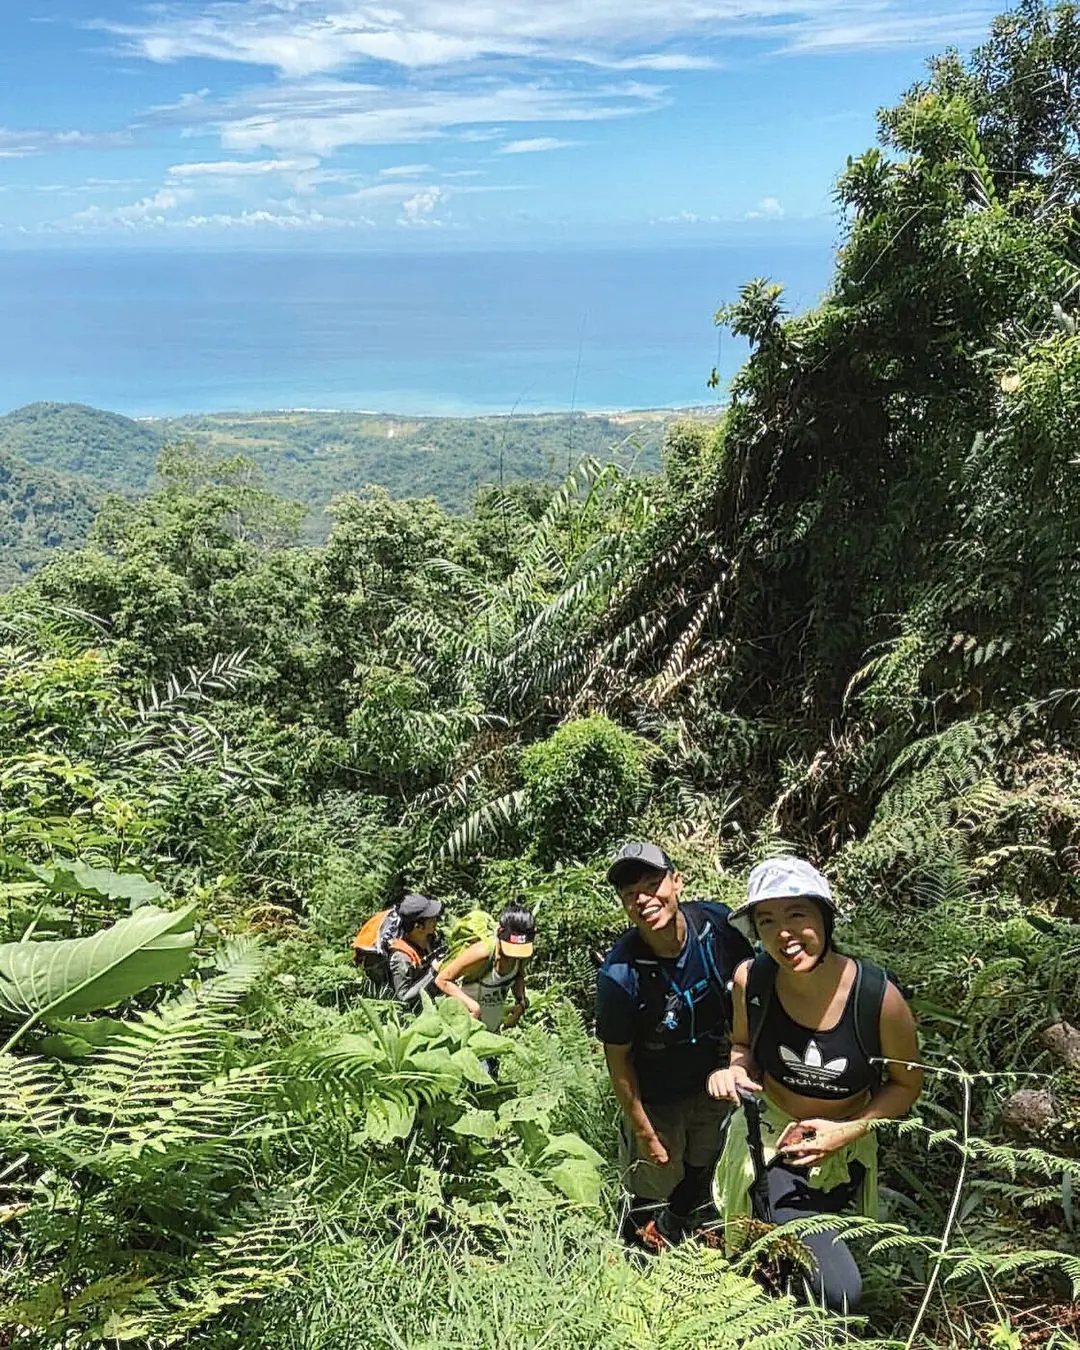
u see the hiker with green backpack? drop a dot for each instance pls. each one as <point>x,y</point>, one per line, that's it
<point>825,1044</point>
<point>481,973</point>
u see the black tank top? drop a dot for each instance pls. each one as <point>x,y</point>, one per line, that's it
<point>828,1065</point>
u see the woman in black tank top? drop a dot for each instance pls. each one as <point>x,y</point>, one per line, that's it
<point>819,1087</point>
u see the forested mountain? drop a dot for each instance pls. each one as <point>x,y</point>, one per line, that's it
<point>305,457</point>
<point>40,511</point>
<point>312,456</point>
<point>113,453</point>
<point>842,622</point>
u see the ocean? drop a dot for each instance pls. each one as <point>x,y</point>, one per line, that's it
<point>156,334</point>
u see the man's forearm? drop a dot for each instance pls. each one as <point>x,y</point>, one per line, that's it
<point>626,1089</point>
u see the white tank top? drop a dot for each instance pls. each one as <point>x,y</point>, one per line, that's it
<point>490,992</point>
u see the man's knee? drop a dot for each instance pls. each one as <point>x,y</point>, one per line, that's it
<point>650,1180</point>
<point>705,1125</point>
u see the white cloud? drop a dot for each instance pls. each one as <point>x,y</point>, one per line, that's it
<point>274,220</point>
<point>16,144</point>
<point>405,171</point>
<point>686,218</point>
<point>159,214</point>
<point>536,143</point>
<point>319,117</point>
<point>419,209</point>
<point>662,61</point>
<point>301,38</point>
<point>845,30</point>
<point>242,168</point>
<point>147,212</point>
<point>769,208</point>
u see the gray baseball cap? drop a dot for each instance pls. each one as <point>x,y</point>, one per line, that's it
<point>634,858</point>
<point>415,909</point>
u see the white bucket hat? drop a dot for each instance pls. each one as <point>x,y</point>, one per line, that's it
<point>780,879</point>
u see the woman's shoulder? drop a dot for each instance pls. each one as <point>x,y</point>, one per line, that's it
<point>741,973</point>
<point>893,1002</point>
<point>470,961</point>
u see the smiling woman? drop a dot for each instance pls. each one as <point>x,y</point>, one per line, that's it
<point>812,1028</point>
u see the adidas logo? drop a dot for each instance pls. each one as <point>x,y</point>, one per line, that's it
<point>811,1062</point>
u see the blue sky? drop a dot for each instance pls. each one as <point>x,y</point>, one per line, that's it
<point>396,123</point>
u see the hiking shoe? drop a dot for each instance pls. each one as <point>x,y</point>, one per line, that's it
<point>650,1239</point>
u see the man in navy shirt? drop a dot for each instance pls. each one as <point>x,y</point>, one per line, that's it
<point>663,1012</point>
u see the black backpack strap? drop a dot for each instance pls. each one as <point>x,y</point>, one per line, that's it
<point>759,991</point>
<point>869,995</point>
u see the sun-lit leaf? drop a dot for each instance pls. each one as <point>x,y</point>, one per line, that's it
<point>59,978</point>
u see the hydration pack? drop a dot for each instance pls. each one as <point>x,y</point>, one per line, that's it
<point>476,926</point>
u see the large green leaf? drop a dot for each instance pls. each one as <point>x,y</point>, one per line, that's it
<point>388,1119</point>
<point>578,1180</point>
<point>77,1040</point>
<point>44,981</point>
<point>79,878</point>
<point>476,1124</point>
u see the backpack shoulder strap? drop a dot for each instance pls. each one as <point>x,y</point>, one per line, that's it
<point>759,991</point>
<point>869,995</point>
<point>407,950</point>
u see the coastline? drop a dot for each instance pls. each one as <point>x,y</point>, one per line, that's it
<point>702,410</point>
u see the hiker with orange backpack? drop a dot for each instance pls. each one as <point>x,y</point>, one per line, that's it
<point>483,973</point>
<point>398,948</point>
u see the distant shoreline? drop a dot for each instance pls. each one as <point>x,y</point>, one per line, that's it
<point>610,414</point>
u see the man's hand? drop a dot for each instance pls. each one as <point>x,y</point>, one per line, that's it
<point>653,1148</point>
<point>724,1084</point>
<point>807,1143</point>
<point>513,1017</point>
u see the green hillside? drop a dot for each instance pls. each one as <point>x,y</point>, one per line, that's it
<point>308,457</point>
<point>40,510</point>
<point>114,453</point>
<point>312,456</point>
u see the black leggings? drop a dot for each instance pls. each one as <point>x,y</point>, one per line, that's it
<point>835,1275</point>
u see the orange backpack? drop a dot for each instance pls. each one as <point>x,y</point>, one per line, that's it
<point>370,950</point>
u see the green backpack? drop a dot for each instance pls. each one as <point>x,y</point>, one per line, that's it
<point>476,926</point>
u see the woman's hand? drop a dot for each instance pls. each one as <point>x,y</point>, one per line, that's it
<point>806,1143</point>
<point>725,1084</point>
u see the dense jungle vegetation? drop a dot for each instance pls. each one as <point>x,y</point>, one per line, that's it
<point>58,459</point>
<point>845,620</point>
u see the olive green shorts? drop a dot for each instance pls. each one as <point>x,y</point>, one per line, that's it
<point>692,1131</point>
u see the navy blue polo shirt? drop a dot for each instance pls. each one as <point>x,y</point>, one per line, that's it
<point>674,1013</point>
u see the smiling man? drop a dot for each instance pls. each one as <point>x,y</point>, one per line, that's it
<point>663,1012</point>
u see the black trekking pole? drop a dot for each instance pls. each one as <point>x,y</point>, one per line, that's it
<point>777,1272</point>
<point>759,1187</point>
